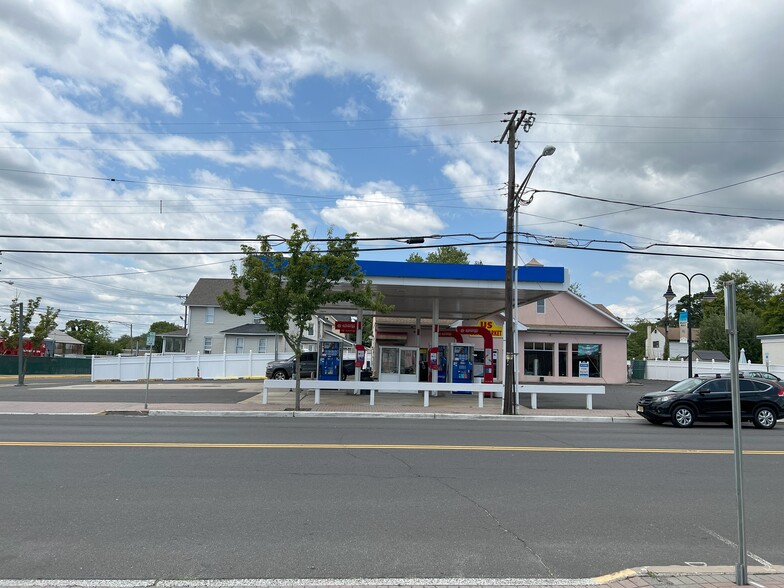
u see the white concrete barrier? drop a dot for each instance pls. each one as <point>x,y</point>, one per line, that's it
<point>374,386</point>
<point>536,389</point>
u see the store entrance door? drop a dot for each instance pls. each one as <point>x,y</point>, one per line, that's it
<point>399,364</point>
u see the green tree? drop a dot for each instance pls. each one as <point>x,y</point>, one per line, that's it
<point>95,336</point>
<point>698,308</point>
<point>159,328</point>
<point>635,345</point>
<point>10,331</point>
<point>713,335</point>
<point>773,313</point>
<point>127,342</point>
<point>576,289</point>
<point>446,254</point>
<point>287,290</point>
<point>750,295</point>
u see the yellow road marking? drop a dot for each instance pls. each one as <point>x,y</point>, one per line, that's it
<point>622,575</point>
<point>512,448</point>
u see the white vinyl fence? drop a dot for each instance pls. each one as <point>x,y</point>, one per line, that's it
<point>174,366</point>
<point>672,370</point>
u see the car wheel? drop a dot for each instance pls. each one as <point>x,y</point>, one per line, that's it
<point>279,375</point>
<point>654,420</point>
<point>764,418</point>
<point>683,416</point>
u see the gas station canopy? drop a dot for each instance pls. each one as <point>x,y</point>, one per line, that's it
<point>463,291</point>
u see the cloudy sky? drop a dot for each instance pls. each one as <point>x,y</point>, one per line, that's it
<point>146,125</point>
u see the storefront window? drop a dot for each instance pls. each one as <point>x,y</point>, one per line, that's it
<point>563,359</point>
<point>538,358</point>
<point>390,357</point>
<point>587,360</point>
<point>408,359</point>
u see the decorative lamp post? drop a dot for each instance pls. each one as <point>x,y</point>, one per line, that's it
<point>669,295</point>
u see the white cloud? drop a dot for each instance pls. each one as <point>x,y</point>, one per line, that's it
<point>646,279</point>
<point>351,110</point>
<point>85,41</point>
<point>178,58</point>
<point>375,214</point>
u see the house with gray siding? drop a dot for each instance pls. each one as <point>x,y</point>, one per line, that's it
<point>212,329</point>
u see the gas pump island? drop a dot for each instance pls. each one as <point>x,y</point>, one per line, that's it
<point>330,361</point>
<point>443,292</point>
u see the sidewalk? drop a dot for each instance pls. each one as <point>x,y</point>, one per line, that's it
<point>658,577</point>
<point>332,403</point>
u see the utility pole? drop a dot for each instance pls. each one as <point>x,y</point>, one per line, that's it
<point>20,322</point>
<point>516,119</point>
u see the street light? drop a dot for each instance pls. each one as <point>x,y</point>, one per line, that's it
<point>513,202</point>
<point>669,296</point>
<point>127,325</point>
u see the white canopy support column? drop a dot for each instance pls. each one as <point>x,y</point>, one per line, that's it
<point>433,343</point>
<point>357,341</point>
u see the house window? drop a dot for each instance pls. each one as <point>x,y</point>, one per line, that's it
<point>263,345</point>
<point>655,344</point>
<point>239,345</point>
<point>209,315</point>
<point>256,319</point>
<point>311,331</point>
<point>540,307</point>
<point>538,358</point>
<point>207,345</point>
<point>563,359</point>
<point>587,357</point>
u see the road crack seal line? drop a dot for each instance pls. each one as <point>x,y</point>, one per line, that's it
<point>495,519</point>
<point>490,515</point>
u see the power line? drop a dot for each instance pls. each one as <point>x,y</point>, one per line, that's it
<point>246,122</point>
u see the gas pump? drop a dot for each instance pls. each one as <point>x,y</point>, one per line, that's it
<point>330,360</point>
<point>442,353</point>
<point>462,364</point>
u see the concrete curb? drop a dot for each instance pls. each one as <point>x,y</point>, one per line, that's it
<point>332,414</point>
<point>652,574</point>
<point>388,415</point>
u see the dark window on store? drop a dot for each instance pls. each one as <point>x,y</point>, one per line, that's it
<point>538,358</point>
<point>588,356</point>
<point>563,359</point>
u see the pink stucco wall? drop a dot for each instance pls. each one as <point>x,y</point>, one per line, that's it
<point>570,319</point>
<point>567,319</point>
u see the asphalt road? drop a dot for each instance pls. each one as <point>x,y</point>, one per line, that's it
<point>266,498</point>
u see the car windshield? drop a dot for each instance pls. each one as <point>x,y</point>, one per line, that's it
<point>685,385</point>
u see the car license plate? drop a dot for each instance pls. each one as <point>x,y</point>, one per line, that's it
<point>640,409</point>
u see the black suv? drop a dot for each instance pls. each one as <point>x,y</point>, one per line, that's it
<point>709,399</point>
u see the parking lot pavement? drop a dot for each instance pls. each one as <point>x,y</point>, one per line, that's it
<point>233,397</point>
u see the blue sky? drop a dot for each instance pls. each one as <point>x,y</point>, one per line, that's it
<point>233,119</point>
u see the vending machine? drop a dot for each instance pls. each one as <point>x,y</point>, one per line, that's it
<point>330,360</point>
<point>462,364</point>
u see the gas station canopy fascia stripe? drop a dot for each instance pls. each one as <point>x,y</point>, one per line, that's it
<point>463,291</point>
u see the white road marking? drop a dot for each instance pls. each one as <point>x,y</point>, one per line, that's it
<point>756,558</point>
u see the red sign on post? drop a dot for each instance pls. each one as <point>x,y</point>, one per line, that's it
<point>346,326</point>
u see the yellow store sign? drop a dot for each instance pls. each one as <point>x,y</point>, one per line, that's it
<point>495,330</point>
